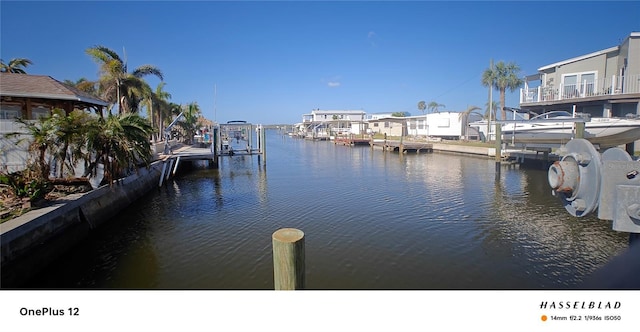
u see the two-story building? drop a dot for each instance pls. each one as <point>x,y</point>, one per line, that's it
<point>605,83</point>
<point>325,123</point>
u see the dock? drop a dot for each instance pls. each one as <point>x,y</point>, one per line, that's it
<point>352,141</point>
<point>402,146</point>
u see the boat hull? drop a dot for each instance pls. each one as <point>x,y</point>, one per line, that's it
<point>604,133</point>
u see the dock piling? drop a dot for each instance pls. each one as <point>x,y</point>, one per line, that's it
<point>288,259</point>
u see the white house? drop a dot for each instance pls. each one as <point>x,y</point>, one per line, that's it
<point>445,125</point>
<point>320,123</point>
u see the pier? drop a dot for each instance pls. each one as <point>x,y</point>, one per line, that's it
<point>352,141</point>
<point>235,138</point>
<point>402,146</point>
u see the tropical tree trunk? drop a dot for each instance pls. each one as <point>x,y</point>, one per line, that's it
<point>503,113</point>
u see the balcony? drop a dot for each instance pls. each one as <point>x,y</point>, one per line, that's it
<point>593,90</point>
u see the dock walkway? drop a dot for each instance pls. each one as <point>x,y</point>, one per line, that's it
<point>352,141</point>
<point>404,146</point>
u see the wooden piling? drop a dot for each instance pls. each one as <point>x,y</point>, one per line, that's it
<point>288,259</point>
<point>498,148</point>
<point>579,129</point>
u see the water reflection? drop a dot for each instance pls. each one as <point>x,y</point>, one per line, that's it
<point>372,219</point>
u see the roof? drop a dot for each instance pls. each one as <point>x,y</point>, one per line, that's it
<point>590,55</point>
<point>582,57</point>
<point>45,87</point>
<point>337,112</point>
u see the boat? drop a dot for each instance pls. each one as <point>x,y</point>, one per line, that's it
<point>558,127</point>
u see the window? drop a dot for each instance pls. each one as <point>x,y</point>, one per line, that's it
<point>579,84</point>
<point>39,112</point>
<point>9,112</point>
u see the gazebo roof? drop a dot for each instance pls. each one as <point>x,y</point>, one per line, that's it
<point>43,87</point>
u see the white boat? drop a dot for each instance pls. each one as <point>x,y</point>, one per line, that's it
<point>558,127</point>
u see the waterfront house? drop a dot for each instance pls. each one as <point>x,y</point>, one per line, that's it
<point>325,123</point>
<point>444,125</point>
<point>604,83</point>
<point>387,125</point>
<point>31,97</point>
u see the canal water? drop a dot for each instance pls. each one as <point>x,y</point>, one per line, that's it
<point>372,220</point>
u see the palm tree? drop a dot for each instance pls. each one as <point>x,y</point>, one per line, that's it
<point>83,84</point>
<point>41,135</point>
<point>190,123</point>
<point>15,65</point>
<point>492,109</point>
<point>502,77</point>
<point>70,141</point>
<point>119,142</point>
<point>158,106</point>
<point>422,106</point>
<point>433,106</point>
<point>116,84</point>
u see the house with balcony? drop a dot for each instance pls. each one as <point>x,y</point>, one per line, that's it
<point>604,83</point>
<point>325,123</point>
<point>31,97</point>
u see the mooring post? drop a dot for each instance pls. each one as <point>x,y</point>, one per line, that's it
<point>288,259</point>
<point>263,142</point>
<point>579,129</point>
<point>498,148</point>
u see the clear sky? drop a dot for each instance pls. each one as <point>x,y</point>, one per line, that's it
<point>271,62</point>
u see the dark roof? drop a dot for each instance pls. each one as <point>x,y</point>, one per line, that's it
<point>44,87</point>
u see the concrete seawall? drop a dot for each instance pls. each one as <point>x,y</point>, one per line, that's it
<point>32,241</point>
<point>473,150</point>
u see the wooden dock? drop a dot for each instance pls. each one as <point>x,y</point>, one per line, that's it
<point>403,146</point>
<point>536,159</point>
<point>352,141</point>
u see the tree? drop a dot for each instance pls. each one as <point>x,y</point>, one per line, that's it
<point>433,106</point>
<point>116,84</point>
<point>189,123</point>
<point>41,135</point>
<point>158,107</point>
<point>399,114</point>
<point>84,85</point>
<point>494,107</point>
<point>70,139</point>
<point>422,106</point>
<point>502,77</point>
<point>120,142</point>
<point>15,65</point>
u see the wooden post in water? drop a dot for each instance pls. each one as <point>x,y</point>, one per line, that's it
<point>215,144</point>
<point>288,259</point>
<point>579,129</point>
<point>498,149</point>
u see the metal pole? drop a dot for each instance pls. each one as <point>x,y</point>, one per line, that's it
<point>263,141</point>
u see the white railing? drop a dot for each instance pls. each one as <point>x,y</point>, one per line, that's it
<point>615,85</point>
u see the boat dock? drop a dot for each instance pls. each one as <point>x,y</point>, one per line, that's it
<point>352,141</point>
<point>235,138</point>
<point>402,146</point>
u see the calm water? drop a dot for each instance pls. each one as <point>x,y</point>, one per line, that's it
<point>372,220</point>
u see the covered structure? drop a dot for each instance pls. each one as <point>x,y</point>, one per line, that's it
<point>31,97</point>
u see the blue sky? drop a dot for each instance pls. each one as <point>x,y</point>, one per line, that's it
<point>271,62</point>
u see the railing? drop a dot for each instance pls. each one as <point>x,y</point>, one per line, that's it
<point>615,85</point>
